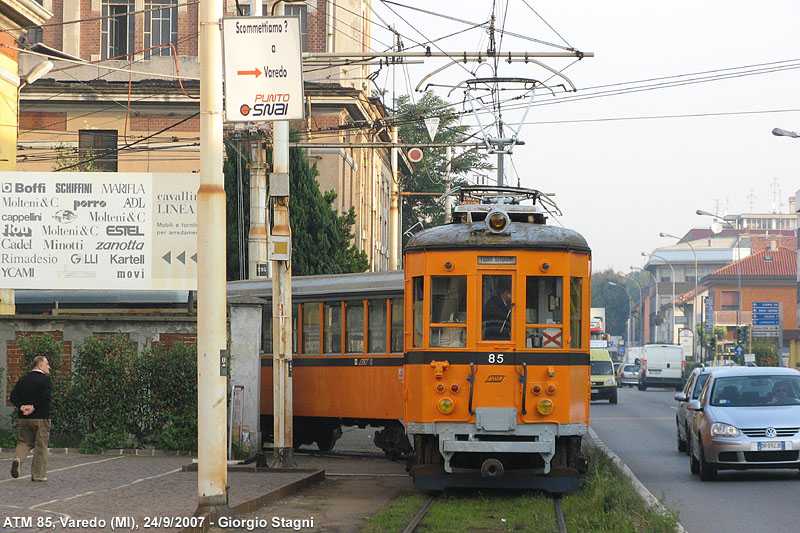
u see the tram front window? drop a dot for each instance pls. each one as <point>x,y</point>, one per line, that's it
<point>543,314</point>
<point>497,307</point>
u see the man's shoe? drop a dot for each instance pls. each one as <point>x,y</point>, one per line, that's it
<point>15,468</point>
<point>43,479</point>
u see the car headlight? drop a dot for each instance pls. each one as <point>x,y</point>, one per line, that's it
<point>610,381</point>
<point>718,429</point>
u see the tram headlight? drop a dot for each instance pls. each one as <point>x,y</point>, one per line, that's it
<point>497,221</point>
<point>545,406</point>
<point>446,406</point>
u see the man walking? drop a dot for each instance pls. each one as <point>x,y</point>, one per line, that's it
<point>31,395</point>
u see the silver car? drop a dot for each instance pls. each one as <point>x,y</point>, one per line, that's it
<point>628,375</point>
<point>745,418</point>
<point>691,391</point>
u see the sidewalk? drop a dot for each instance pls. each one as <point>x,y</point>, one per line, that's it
<point>155,492</point>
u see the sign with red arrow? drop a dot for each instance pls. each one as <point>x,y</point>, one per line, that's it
<point>263,69</point>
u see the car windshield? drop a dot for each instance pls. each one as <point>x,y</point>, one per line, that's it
<point>602,368</point>
<point>752,391</point>
<point>630,368</point>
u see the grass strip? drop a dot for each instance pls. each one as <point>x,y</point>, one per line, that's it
<point>605,502</point>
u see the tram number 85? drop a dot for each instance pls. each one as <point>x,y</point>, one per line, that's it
<point>496,358</point>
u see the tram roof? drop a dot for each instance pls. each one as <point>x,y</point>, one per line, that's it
<point>521,235</point>
<point>335,286</point>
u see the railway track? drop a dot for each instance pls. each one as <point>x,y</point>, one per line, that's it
<point>412,526</point>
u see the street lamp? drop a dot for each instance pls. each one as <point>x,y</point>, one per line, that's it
<point>694,308</point>
<point>630,306</point>
<point>671,333</point>
<point>727,220</point>
<point>655,282</point>
<point>784,133</point>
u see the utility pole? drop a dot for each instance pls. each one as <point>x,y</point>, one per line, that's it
<point>212,359</point>
<point>394,210</point>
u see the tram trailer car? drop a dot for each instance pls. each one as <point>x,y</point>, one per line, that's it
<point>347,365</point>
<point>497,401</point>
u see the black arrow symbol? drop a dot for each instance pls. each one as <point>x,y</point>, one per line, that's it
<point>181,257</point>
<point>167,257</point>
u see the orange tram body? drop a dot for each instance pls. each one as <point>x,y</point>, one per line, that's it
<point>474,361</point>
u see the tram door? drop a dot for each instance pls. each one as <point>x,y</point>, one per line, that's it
<point>494,364</point>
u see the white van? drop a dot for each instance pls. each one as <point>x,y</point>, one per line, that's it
<point>663,365</point>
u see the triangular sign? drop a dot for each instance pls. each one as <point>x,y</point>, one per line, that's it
<point>433,126</point>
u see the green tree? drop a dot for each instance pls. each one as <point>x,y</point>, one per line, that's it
<point>429,175</point>
<point>321,238</point>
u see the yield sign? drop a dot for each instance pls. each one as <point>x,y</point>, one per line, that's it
<point>432,124</point>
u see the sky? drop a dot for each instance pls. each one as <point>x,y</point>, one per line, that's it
<point>620,174</point>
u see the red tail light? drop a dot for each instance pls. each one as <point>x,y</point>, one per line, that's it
<point>683,368</point>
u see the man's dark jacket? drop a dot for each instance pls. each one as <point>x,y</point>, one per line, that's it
<point>33,388</point>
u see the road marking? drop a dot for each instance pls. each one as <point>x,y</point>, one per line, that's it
<point>633,418</point>
<point>66,468</point>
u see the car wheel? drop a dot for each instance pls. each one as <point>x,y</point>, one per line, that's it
<point>694,465</point>
<point>707,473</point>
<point>613,397</point>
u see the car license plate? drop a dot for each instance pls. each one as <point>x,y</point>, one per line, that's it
<point>772,445</point>
<point>595,391</point>
<point>655,371</point>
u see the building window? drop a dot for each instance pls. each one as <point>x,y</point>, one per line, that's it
<point>34,35</point>
<point>302,12</point>
<point>729,300</point>
<point>92,143</point>
<point>117,37</point>
<point>160,27</point>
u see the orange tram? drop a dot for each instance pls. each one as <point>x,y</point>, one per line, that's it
<point>473,362</point>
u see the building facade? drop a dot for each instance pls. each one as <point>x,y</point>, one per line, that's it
<point>140,95</point>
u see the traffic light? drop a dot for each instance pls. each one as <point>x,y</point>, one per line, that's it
<point>739,335</point>
<point>712,343</point>
<point>746,333</point>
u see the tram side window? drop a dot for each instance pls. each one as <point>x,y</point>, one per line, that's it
<point>497,307</point>
<point>448,306</point>
<point>575,308</point>
<point>397,325</point>
<point>543,306</point>
<point>354,327</point>
<point>418,289</point>
<point>311,323</point>
<point>376,342</point>
<point>333,328</point>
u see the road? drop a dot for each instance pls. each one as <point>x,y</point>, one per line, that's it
<point>640,429</point>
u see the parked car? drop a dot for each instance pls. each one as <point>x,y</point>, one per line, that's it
<point>744,418</point>
<point>603,382</point>
<point>691,391</point>
<point>628,375</point>
<point>663,365</point>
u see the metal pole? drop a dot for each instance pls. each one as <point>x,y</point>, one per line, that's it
<point>212,473</point>
<point>281,297</point>
<point>640,304</point>
<point>394,215</point>
<point>257,238</point>
<point>672,333</point>
<point>448,204</point>
<point>694,307</point>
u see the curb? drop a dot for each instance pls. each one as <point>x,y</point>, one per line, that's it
<point>249,506</point>
<point>638,486</point>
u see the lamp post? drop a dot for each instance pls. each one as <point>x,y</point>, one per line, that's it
<point>638,286</point>
<point>784,133</point>
<point>738,250</point>
<point>630,306</point>
<point>655,282</point>
<point>694,307</point>
<point>672,332</point>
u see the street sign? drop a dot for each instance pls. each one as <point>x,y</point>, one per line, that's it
<point>766,313</point>
<point>766,305</point>
<point>263,69</point>
<point>767,328</point>
<point>414,155</point>
<point>738,350</point>
<point>709,321</point>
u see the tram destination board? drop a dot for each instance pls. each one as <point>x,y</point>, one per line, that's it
<point>96,230</point>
